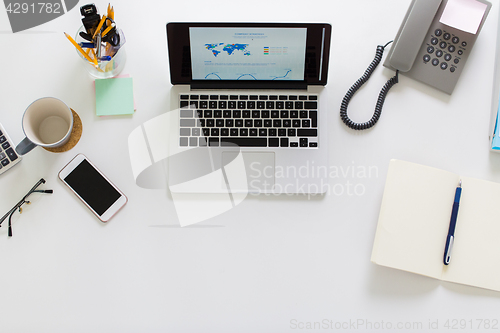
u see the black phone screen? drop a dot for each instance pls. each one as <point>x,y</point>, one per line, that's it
<point>92,187</point>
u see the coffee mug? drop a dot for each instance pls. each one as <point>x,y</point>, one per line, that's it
<point>47,123</point>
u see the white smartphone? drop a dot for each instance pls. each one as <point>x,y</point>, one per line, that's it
<point>96,191</point>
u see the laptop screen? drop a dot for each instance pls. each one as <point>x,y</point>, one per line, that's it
<point>248,55</point>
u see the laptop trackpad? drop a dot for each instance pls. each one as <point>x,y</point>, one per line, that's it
<point>259,168</point>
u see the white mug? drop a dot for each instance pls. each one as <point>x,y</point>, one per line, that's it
<point>48,123</point>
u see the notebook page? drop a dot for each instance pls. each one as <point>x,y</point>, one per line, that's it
<point>414,218</point>
<point>476,250</point>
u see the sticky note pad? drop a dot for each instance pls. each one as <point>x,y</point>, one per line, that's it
<point>114,96</point>
<point>465,15</point>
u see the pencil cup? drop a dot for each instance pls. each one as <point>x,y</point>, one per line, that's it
<point>112,58</point>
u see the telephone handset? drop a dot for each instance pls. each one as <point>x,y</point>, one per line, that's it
<point>431,46</point>
<point>435,40</point>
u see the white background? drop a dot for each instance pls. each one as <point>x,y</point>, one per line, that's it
<point>272,264</point>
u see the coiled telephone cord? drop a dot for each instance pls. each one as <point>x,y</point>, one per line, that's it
<point>381,97</point>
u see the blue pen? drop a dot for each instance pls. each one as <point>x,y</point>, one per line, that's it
<point>87,45</point>
<point>453,222</point>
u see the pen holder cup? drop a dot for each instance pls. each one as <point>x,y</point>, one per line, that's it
<point>112,58</point>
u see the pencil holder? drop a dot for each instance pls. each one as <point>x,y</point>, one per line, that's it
<point>112,58</point>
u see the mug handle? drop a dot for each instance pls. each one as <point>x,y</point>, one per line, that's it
<point>25,146</point>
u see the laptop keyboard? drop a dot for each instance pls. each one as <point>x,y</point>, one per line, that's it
<point>249,120</point>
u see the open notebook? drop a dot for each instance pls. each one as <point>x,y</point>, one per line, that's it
<point>414,220</point>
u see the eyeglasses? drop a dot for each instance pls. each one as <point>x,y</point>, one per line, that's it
<point>22,202</point>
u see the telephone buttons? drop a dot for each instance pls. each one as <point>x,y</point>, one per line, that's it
<point>440,50</point>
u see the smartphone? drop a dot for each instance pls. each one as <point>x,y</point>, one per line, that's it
<point>96,191</point>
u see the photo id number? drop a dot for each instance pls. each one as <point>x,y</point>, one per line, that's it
<point>482,324</point>
<point>34,8</point>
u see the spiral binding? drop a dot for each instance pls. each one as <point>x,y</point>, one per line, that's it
<point>381,97</point>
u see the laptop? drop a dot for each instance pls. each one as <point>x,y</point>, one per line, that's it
<point>250,107</point>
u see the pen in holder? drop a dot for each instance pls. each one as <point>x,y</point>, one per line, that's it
<point>107,60</point>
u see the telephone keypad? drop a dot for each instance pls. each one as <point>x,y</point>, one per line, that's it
<point>447,46</point>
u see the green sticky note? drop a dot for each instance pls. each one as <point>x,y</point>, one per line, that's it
<point>114,96</point>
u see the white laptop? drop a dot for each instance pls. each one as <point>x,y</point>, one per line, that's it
<point>250,107</point>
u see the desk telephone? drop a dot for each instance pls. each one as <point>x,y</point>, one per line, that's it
<point>431,46</point>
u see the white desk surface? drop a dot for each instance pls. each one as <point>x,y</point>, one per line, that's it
<point>272,264</point>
